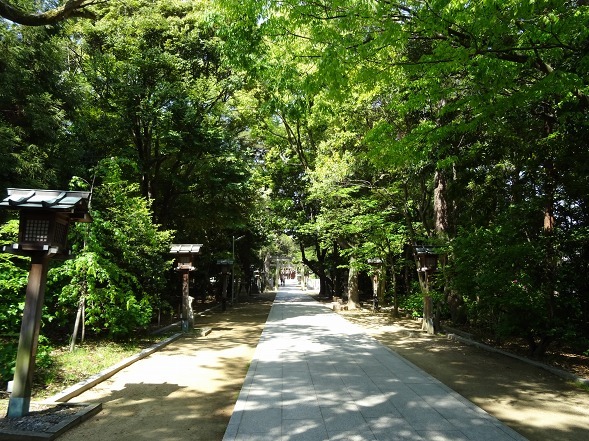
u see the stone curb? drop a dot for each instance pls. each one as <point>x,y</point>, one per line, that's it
<point>558,372</point>
<point>178,324</point>
<point>86,411</point>
<point>92,381</point>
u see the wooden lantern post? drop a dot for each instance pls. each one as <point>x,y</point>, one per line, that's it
<point>427,264</point>
<point>45,216</point>
<point>256,282</point>
<point>185,254</point>
<point>376,264</point>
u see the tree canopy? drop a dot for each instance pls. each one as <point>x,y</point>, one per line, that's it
<point>360,129</point>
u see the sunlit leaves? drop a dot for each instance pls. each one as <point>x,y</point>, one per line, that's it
<point>120,262</point>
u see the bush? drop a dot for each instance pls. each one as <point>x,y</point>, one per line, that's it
<point>506,288</point>
<point>8,351</point>
<point>7,361</point>
<point>120,260</point>
<point>413,304</point>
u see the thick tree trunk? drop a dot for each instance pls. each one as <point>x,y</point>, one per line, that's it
<point>441,217</point>
<point>442,227</point>
<point>353,292</point>
<point>325,285</point>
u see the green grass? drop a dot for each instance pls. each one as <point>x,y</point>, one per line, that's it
<point>59,368</point>
<point>63,368</point>
<point>68,368</point>
<point>580,385</point>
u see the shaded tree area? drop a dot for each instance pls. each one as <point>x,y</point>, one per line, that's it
<point>137,105</point>
<point>36,105</point>
<point>359,129</point>
<point>451,124</point>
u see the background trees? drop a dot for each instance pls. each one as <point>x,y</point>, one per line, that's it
<point>471,117</point>
<point>139,104</point>
<point>360,129</point>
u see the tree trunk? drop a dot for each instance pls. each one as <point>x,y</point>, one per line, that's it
<point>551,259</point>
<point>442,226</point>
<point>428,316</point>
<point>427,324</point>
<point>394,289</point>
<point>550,274</point>
<point>76,327</point>
<point>318,268</point>
<point>382,286</point>
<point>441,218</point>
<point>353,292</point>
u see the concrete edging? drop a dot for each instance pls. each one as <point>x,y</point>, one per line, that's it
<point>558,372</point>
<point>86,411</point>
<point>92,381</point>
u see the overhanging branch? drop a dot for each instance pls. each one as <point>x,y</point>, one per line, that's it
<point>70,9</point>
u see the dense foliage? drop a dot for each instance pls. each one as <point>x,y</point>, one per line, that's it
<point>137,106</point>
<point>119,266</point>
<point>447,123</point>
<point>360,129</point>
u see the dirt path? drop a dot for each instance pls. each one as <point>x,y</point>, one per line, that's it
<point>185,398</point>
<point>192,397</point>
<point>536,403</point>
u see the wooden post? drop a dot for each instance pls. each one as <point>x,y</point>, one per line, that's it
<point>20,399</point>
<point>375,291</point>
<point>224,294</point>
<point>187,314</point>
<point>428,316</point>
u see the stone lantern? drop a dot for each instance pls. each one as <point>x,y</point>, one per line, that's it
<point>45,216</point>
<point>427,259</point>
<point>184,254</point>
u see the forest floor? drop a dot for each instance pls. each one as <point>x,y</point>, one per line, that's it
<point>169,406</point>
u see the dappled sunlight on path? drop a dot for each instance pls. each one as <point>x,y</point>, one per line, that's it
<point>184,391</point>
<point>316,376</point>
<point>531,400</point>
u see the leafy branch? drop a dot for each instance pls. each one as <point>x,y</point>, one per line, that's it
<point>70,9</point>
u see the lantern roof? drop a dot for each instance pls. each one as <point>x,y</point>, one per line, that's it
<point>75,202</point>
<point>185,248</point>
<point>425,249</point>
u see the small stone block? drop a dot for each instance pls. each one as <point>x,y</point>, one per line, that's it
<point>202,332</point>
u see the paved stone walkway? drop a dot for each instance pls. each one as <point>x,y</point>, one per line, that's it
<point>315,376</point>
